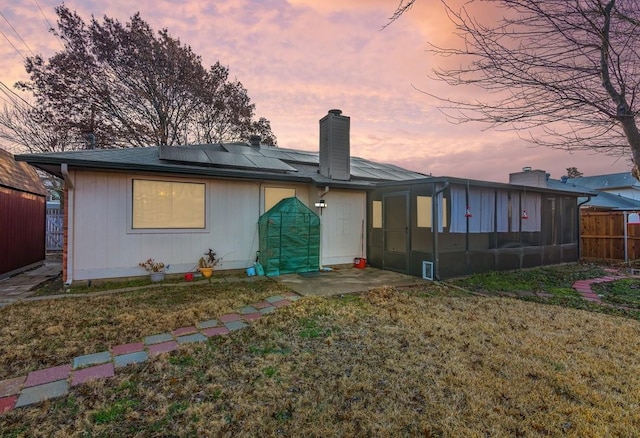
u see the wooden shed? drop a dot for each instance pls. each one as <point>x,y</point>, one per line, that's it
<point>22,215</point>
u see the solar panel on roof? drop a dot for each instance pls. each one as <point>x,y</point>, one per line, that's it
<point>270,163</point>
<point>240,149</point>
<point>220,158</point>
<point>183,154</point>
<point>215,155</point>
<point>359,172</point>
<point>275,153</point>
<point>302,158</point>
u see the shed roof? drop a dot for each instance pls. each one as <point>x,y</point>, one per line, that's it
<point>232,160</point>
<point>19,176</point>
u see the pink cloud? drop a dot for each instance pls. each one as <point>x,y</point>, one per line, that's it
<point>300,58</point>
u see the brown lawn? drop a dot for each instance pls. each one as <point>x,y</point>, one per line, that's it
<point>390,363</point>
<point>40,334</point>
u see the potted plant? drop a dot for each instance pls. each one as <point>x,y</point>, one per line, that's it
<point>207,263</point>
<point>155,269</point>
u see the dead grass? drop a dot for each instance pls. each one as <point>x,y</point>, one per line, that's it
<point>386,364</point>
<point>39,334</point>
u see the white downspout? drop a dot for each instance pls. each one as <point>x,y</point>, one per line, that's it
<point>69,206</point>
<point>322,195</point>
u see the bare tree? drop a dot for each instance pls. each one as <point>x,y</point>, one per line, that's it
<point>128,86</point>
<point>226,112</point>
<point>28,128</point>
<point>561,73</point>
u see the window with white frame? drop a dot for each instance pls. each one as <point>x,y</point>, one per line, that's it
<point>167,205</point>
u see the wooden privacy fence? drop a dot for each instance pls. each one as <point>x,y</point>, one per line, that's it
<point>602,236</point>
<point>54,229</point>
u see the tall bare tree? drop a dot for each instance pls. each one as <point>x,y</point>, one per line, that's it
<point>125,85</point>
<point>562,73</point>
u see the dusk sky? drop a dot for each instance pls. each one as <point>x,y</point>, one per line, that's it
<point>300,58</point>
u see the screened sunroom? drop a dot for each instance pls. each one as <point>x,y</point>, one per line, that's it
<point>446,227</point>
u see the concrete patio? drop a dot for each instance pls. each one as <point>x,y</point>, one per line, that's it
<point>345,280</point>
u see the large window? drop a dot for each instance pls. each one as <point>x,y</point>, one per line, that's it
<point>167,205</point>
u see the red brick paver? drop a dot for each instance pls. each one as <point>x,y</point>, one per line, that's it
<point>48,375</point>
<point>11,386</point>
<point>7,403</point>
<point>92,373</point>
<point>261,305</point>
<point>185,331</point>
<point>281,303</point>
<point>163,347</point>
<point>230,317</point>
<point>252,316</point>
<point>215,331</point>
<point>127,348</point>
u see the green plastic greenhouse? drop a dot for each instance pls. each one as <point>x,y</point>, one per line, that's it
<point>289,238</point>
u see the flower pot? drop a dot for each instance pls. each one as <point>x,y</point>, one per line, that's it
<point>156,276</point>
<point>206,272</point>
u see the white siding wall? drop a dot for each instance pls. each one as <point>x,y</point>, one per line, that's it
<point>104,246</point>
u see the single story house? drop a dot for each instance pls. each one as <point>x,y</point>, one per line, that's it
<point>22,215</point>
<point>173,203</point>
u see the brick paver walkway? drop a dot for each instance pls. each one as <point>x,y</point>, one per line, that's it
<point>56,381</point>
<point>583,287</point>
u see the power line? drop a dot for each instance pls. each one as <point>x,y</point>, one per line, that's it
<point>12,95</point>
<point>48,24</point>
<point>14,47</point>
<point>17,34</point>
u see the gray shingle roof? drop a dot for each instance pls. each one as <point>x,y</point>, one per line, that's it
<point>227,160</point>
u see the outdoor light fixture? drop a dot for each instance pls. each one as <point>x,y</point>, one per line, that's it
<point>634,219</point>
<point>321,204</point>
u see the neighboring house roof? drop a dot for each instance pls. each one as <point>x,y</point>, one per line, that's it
<point>221,160</point>
<point>606,182</point>
<point>574,188</point>
<point>609,201</point>
<point>540,178</point>
<point>19,176</point>
<point>601,183</point>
